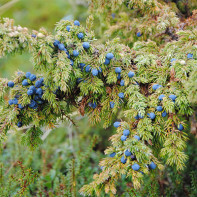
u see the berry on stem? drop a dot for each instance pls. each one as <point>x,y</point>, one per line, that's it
<point>56,42</point>
<point>118,70</point>
<point>131,74</point>
<point>164,114</point>
<point>80,35</point>
<point>94,72</point>
<point>122,82</point>
<point>172,60</point>
<point>88,68</point>
<point>159,108</point>
<point>151,115</point>
<point>38,84</point>
<point>180,127</point>
<point>110,56</point>
<point>123,160</point>
<point>15,101</point>
<point>75,53</point>
<point>152,165</point>
<point>173,97</point>
<point>25,82</point>
<point>19,124</point>
<point>112,154</point>
<point>189,56</point>
<point>61,47</point>
<point>77,23</point>
<point>86,45</point>
<point>127,153</point>
<point>112,104</point>
<point>107,61</point>
<point>121,95</point>
<point>10,102</point>
<point>137,137</point>
<point>138,34</point>
<point>32,77</point>
<point>123,138</point>
<point>126,132</point>
<point>119,76</point>
<point>68,28</point>
<point>20,106</point>
<point>39,91</point>
<point>117,124</point>
<point>135,167</point>
<point>140,116</point>
<point>10,84</point>
<point>28,74</point>
<point>30,92</point>
<point>155,86</point>
<point>161,97</point>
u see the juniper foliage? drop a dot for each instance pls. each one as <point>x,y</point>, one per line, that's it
<point>163,58</point>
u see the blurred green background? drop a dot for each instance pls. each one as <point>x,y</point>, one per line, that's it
<point>34,15</point>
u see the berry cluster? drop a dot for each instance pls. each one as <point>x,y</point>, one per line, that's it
<point>60,46</point>
<point>118,71</point>
<point>127,153</point>
<point>189,56</point>
<point>34,89</point>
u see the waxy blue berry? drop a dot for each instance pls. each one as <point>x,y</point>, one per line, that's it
<point>137,137</point>
<point>173,97</point>
<point>77,23</point>
<point>25,82</point>
<point>164,114</point>
<point>189,56</point>
<point>123,160</point>
<point>39,91</point>
<point>123,138</point>
<point>80,35</point>
<point>180,127</point>
<point>112,104</point>
<point>159,108</point>
<point>161,97</point>
<point>112,154</point>
<point>15,101</point>
<point>107,61</point>
<point>61,47</point>
<point>88,68</point>
<point>122,82</point>
<point>126,132</point>
<point>10,102</point>
<point>94,72</point>
<point>75,53</point>
<point>86,45</point>
<point>10,84</point>
<point>117,124</point>
<point>152,165</point>
<point>131,74</point>
<point>68,28</point>
<point>56,42</point>
<point>118,70</point>
<point>19,124</point>
<point>121,95</point>
<point>30,92</point>
<point>110,56</point>
<point>28,74</point>
<point>32,77</point>
<point>138,34</point>
<point>127,153</point>
<point>135,167</point>
<point>151,115</point>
